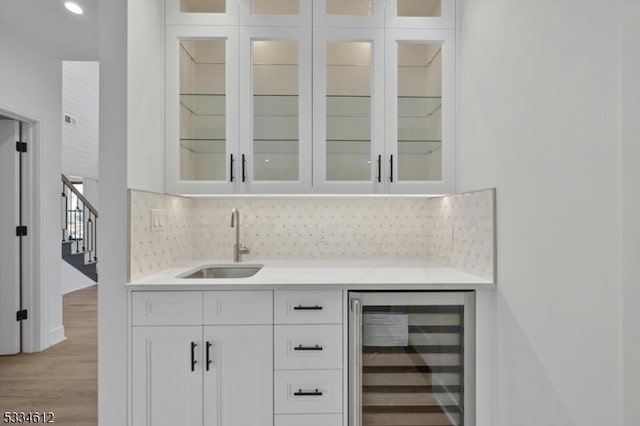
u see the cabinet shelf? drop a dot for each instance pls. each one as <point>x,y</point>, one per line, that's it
<point>200,105</point>
<point>210,146</point>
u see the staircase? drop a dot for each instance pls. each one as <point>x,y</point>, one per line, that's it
<point>79,231</point>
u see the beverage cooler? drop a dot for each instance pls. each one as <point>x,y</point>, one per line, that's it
<point>411,358</point>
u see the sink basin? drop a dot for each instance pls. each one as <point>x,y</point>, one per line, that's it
<point>225,271</point>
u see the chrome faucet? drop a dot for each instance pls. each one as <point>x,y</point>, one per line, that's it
<point>238,249</point>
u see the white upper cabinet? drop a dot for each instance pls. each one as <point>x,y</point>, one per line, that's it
<point>201,109</point>
<point>420,125</point>
<point>420,14</point>
<point>349,13</point>
<point>275,106</point>
<point>348,109</point>
<point>202,12</point>
<point>310,96</point>
<point>276,13</point>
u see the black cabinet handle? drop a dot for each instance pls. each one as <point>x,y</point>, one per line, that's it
<point>308,348</point>
<point>307,393</point>
<point>308,308</point>
<point>209,344</point>
<point>244,174</point>
<point>193,356</point>
<point>379,168</point>
<point>391,168</point>
<point>231,177</point>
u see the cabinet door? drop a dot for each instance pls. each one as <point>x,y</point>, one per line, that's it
<point>202,12</point>
<point>202,109</point>
<point>276,13</point>
<point>348,108</point>
<point>420,126</point>
<point>432,14</point>
<point>166,376</point>
<point>238,375</point>
<point>275,103</point>
<point>348,13</point>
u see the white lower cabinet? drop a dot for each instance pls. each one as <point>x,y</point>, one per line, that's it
<point>308,379</point>
<point>195,376</point>
<point>309,420</point>
<point>239,389</point>
<point>201,375</point>
<point>308,391</point>
<point>165,392</point>
<point>206,358</point>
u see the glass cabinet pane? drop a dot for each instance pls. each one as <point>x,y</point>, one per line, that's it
<point>275,110</point>
<point>275,7</point>
<point>419,8</point>
<point>419,111</point>
<point>203,6</point>
<point>349,7</point>
<point>348,116</point>
<point>202,110</point>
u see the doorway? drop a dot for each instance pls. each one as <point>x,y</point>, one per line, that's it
<point>19,305</point>
<point>11,230</point>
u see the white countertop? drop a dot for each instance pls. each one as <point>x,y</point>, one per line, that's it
<point>318,274</point>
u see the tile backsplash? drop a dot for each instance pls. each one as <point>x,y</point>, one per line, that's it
<point>456,230</point>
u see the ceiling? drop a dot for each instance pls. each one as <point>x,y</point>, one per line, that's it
<point>48,24</point>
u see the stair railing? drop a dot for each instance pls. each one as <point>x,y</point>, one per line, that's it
<point>79,220</point>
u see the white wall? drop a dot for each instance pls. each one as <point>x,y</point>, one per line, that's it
<point>146,95</point>
<point>112,226</point>
<point>631,208</point>
<point>31,85</point>
<point>72,279</point>
<point>80,83</point>
<point>540,121</point>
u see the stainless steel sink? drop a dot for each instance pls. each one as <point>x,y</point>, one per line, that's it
<point>225,271</point>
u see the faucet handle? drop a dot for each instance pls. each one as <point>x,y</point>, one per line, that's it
<point>243,250</point>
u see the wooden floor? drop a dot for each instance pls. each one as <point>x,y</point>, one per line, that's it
<point>64,378</point>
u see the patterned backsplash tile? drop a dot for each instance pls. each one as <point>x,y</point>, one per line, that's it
<point>454,230</point>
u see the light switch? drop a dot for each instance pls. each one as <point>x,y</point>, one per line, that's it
<point>157,219</point>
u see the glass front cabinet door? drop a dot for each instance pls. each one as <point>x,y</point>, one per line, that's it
<point>202,12</point>
<point>420,126</point>
<point>348,110</point>
<point>275,106</point>
<point>202,109</point>
<point>310,96</point>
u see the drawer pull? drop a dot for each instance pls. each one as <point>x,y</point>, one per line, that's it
<point>308,348</point>
<point>307,393</point>
<point>308,308</point>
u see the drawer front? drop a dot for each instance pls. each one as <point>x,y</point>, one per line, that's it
<point>308,307</point>
<point>166,308</point>
<point>308,420</point>
<point>308,347</point>
<point>238,307</point>
<point>302,392</point>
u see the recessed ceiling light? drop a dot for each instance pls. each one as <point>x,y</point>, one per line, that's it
<point>73,7</point>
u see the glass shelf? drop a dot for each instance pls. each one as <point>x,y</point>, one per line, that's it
<point>204,104</point>
<point>209,146</point>
<point>418,106</point>
<point>275,106</point>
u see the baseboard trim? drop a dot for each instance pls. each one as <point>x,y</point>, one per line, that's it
<point>56,335</point>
